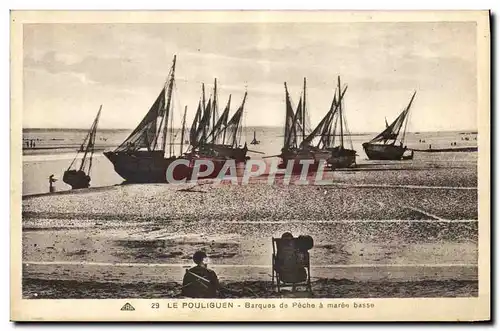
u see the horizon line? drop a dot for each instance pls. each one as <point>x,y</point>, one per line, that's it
<point>251,126</point>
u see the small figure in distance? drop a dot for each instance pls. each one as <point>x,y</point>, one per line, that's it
<point>51,181</point>
<point>199,281</point>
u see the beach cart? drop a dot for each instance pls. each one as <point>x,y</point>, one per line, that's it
<point>291,262</point>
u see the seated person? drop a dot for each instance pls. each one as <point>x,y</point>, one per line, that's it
<point>199,281</point>
<point>291,259</point>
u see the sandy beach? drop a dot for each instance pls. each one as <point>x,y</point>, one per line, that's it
<point>383,229</point>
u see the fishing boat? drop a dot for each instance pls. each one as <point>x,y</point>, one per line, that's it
<point>294,149</point>
<point>341,157</point>
<point>327,130</point>
<point>79,177</point>
<point>198,149</point>
<point>389,144</point>
<point>218,139</point>
<point>226,137</point>
<point>254,140</point>
<point>142,156</point>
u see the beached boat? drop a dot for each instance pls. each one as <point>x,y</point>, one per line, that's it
<point>321,143</point>
<point>389,144</point>
<point>294,149</point>
<point>141,157</point>
<point>218,139</point>
<point>341,157</point>
<point>80,177</point>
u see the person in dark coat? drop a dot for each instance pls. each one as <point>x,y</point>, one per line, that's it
<point>199,281</point>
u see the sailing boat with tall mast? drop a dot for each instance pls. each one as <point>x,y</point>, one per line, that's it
<point>295,131</point>
<point>383,146</point>
<point>341,157</point>
<point>230,145</point>
<point>141,157</point>
<point>81,178</point>
<point>220,138</point>
<point>338,156</point>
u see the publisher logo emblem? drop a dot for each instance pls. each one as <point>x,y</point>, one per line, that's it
<point>127,307</point>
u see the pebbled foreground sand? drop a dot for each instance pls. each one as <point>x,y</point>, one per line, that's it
<point>385,231</point>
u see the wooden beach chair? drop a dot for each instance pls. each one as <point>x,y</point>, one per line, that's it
<point>291,262</point>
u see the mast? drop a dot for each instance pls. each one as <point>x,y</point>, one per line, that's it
<point>204,109</point>
<point>407,116</point>
<point>90,143</point>
<point>236,119</point>
<point>225,128</point>
<point>93,140</point>
<point>340,117</point>
<point>285,135</point>
<point>304,112</point>
<point>171,147</point>
<point>183,129</point>
<point>214,104</point>
<point>167,106</point>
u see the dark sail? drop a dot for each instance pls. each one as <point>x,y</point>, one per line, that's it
<point>88,145</point>
<point>141,157</point>
<point>144,135</point>
<point>298,126</point>
<point>203,126</point>
<point>80,177</point>
<point>328,133</point>
<point>194,127</point>
<point>289,120</point>
<point>233,127</point>
<point>220,127</point>
<point>391,133</point>
<point>323,129</point>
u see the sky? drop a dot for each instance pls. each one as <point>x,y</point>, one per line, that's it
<point>69,70</point>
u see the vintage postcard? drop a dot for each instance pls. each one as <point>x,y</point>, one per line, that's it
<point>250,166</point>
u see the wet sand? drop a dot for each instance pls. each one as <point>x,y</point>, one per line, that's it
<point>323,288</point>
<point>384,229</point>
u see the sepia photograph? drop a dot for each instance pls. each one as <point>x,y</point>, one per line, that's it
<point>250,164</point>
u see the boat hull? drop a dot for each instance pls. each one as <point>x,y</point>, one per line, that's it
<point>201,167</point>
<point>229,152</point>
<point>151,167</point>
<point>383,152</point>
<point>145,167</point>
<point>76,179</point>
<point>297,156</point>
<point>342,158</point>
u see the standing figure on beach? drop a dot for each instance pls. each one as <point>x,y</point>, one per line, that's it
<point>199,281</point>
<point>51,181</point>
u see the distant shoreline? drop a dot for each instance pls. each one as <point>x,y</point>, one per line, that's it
<point>442,150</point>
<point>461,132</point>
